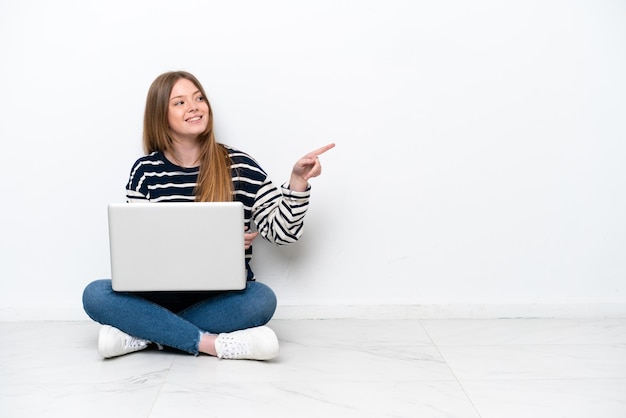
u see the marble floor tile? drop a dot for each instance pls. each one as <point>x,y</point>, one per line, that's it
<point>571,398</point>
<point>130,398</point>
<point>50,369</point>
<point>535,362</point>
<point>331,368</point>
<point>306,398</point>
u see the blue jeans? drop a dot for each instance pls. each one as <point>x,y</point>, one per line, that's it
<point>178,319</point>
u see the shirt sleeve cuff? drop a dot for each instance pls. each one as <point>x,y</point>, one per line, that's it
<point>292,193</point>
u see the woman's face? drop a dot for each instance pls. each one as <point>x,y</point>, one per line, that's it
<point>188,111</point>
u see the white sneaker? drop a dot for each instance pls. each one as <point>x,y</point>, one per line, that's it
<point>112,342</point>
<point>258,343</point>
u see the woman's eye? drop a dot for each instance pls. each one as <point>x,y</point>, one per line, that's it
<point>200,98</point>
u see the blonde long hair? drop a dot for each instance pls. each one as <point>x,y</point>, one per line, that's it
<point>214,179</point>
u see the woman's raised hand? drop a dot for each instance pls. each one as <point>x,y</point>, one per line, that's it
<point>306,168</point>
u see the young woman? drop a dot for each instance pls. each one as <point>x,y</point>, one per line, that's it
<point>183,162</point>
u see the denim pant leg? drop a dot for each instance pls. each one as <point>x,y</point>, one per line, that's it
<point>230,311</point>
<point>142,318</point>
<point>139,317</point>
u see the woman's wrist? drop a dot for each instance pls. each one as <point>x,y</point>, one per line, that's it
<point>298,184</point>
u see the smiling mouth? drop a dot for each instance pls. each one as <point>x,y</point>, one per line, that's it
<point>194,119</point>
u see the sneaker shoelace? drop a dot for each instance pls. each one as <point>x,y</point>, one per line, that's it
<point>232,347</point>
<point>132,343</point>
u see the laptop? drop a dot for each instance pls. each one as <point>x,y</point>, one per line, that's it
<point>186,246</point>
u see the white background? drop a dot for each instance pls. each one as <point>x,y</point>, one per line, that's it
<point>480,159</point>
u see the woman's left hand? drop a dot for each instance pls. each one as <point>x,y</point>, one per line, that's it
<point>306,168</point>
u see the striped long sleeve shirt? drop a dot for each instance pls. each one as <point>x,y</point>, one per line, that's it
<point>277,213</point>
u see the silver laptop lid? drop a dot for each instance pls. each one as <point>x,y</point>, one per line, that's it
<point>191,246</point>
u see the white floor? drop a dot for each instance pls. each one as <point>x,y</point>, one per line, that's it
<point>330,368</point>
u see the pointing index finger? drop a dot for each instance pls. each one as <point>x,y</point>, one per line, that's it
<point>322,150</point>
